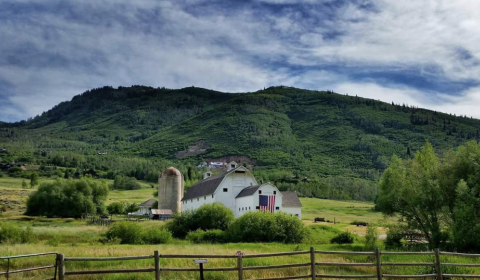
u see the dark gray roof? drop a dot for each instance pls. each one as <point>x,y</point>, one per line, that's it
<point>248,191</point>
<point>290,199</point>
<point>148,203</point>
<point>207,186</point>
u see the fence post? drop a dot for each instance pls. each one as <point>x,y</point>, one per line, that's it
<point>8,268</point>
<point>240,267</point>
<point>378,263</point>
<point>56,267</point>
<point>157,265</point>
<point>61,267</point>
<point>312,263</point>
<point>438,265</point>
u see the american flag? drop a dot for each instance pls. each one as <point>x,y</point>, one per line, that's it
<point>267,203</point>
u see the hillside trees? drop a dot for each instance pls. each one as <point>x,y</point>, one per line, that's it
<point>436,196</point>
<point>68,198</point>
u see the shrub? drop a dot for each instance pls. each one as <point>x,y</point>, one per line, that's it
<point>156,236</point>
<point>10,233</point>
<point>125,183</point>
<point>127,232</point>
<point>196,236</point>
<point>209,236</point>
<point>343,238</point>
<point>68,198</point>
<point>395,236</point>
<point>371,238</point>
<point>116,208</point>
<point>15,171</point>
<point>267,227</point>
<point>213,216</point>
<point>207,217</point>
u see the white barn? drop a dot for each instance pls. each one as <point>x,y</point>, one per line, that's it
<point>238,190</point>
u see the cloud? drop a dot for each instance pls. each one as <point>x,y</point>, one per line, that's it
<point>425,53</point>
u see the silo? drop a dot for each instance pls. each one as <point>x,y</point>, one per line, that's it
<point>170,190</point>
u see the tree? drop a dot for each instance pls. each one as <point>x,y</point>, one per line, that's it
<point>33,179</point>
<point>437,197</point>
<point>412,191</point>
<point>68,198</point>
<point>466,232</point>
<point>132,207</point>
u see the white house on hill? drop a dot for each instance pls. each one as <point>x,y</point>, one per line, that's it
<point>238,190</point>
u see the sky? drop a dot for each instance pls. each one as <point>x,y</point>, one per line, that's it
<point>422,53</point>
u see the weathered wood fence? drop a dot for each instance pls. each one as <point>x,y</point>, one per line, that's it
<point>9,272</point>
<point>61,272</point>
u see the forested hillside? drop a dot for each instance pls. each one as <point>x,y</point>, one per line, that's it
<point>319,143</point>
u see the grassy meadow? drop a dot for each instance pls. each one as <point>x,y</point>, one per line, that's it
<point>74,237</point>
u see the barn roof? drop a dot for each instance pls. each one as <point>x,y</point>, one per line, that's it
<point>148,203</point>
<point>248,191</point>
<point>208,185</point>
<point>290,199</point>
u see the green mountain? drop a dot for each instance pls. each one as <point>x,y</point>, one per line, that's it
<point>291,132</point>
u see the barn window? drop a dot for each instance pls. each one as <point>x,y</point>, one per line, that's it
<point>205,198</point>
<point>248,207</point>
<point>198,199</point>
<point>277,208</point>
<point>296,215</point>
<point>225,190</point>
<point>238,209</point>
<point>274,192</point>
<point>191,200</point>
<point>258,207</point>
<point>212,195</point>
<point>259,192</point>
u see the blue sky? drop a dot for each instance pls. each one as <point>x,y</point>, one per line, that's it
<point>422,53</point>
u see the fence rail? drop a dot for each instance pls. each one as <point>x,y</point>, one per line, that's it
<point>60,271</point>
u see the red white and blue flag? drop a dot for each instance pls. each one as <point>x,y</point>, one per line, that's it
<point>267,203</point>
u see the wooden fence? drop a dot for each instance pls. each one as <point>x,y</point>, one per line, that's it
<point>377,264</point>
<point>9,272</point>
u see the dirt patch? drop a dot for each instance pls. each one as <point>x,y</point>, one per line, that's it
<point>197,148</point>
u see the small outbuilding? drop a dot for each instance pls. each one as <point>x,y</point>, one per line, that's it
<point>145,207</point>
<point>161,214</point>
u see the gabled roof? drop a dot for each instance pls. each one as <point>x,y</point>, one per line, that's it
<point>148,203</point>
<point>208,185</point>
<point>290,199</point>
<point>248,191</point>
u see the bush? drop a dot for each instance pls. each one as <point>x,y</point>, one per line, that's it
<point>68,198</point>
<point>12,234</point>
<point>395,236</point>
<point>133,233</point>
<point>127,232</point>
<point>156,236</point>
<point>116,208</point>
<point>125,183</point>
<point>343,238</point>
<point>371,238</point>
<point>209,236</point>
<point>207,217</point>
<point>267,227</point>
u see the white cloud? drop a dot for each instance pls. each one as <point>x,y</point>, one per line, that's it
<point>49,56</point>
